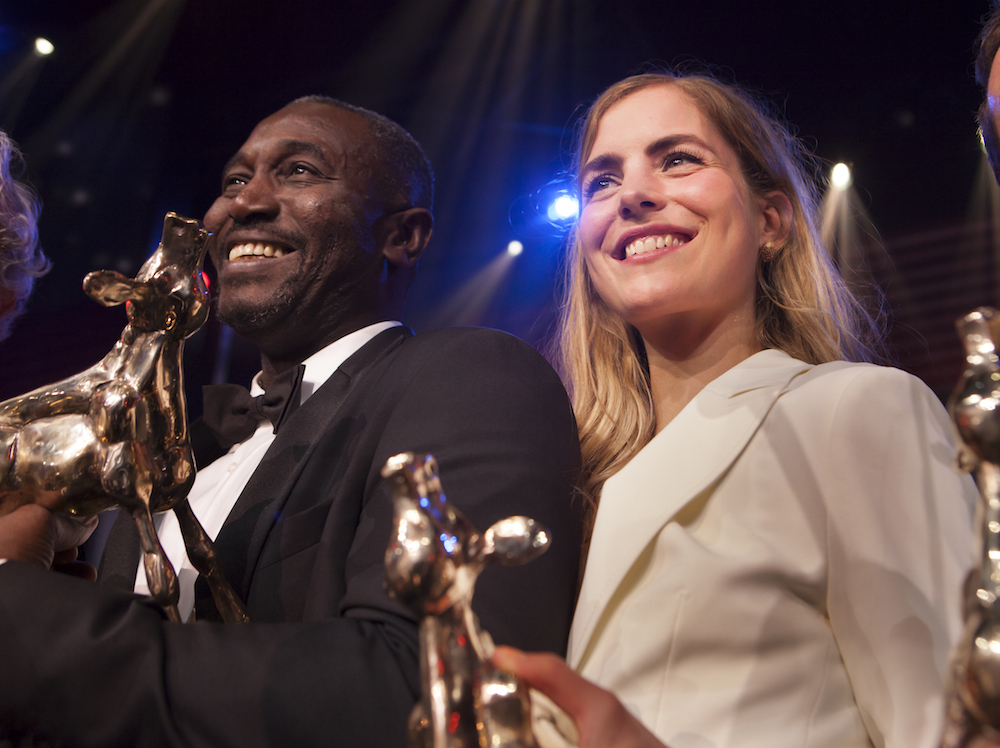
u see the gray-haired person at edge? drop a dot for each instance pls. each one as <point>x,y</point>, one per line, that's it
<point>779,538</point>
<point>337,200</point>
<point>21,258</point>
<point>21,261</point>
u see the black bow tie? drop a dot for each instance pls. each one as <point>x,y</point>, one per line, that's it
<point>233,413</point>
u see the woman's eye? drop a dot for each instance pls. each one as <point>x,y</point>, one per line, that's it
<point>679,158</point>
<point>596,184</point>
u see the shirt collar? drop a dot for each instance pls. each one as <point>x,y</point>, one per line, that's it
<point>321,365</point>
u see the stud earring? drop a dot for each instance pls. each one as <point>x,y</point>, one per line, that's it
<point>767,252</point>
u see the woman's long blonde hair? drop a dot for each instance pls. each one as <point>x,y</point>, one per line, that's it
<point>803,306</point>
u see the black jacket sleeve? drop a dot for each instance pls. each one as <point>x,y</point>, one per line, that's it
<point>82,665</point>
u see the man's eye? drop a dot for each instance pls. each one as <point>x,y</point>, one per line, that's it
<point>302,169</point>
<point>234,180</point>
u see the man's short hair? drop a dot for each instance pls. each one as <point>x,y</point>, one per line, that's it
<point>405,175</point>
<point>989,43</point>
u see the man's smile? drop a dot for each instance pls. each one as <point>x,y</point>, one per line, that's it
<point>255,249</point>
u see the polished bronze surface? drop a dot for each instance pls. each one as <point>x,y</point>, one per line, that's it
<point>431,565</point>
<point>973,705</point>
<point>116,433</point>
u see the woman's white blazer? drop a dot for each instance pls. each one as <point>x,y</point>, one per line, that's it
<point>781,566</point>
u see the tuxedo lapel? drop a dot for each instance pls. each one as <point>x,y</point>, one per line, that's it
<point>679,464</point>
<point>242,536</point>
<point>121,555</point>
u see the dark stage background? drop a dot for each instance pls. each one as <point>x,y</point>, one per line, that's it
<point>143,101</point>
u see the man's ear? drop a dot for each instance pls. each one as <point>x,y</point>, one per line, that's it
<point>778,217</point>
<point>404,235</point>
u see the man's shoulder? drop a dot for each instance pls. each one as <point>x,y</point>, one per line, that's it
<point>469,362</point>
<point>470,336</point>
<point>475,347</point>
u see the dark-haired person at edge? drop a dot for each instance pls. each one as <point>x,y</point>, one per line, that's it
<point>988,76</point>
<point>777,554</point>
<point>323,215</point>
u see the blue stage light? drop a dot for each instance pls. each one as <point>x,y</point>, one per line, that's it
<point>551,210</point>
<point>563,208</point>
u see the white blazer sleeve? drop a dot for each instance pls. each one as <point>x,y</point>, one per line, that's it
<point>900,542</point>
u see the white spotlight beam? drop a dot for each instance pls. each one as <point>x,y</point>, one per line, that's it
<point>841,176</point>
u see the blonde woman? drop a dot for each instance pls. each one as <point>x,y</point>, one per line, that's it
<point>780,538</point>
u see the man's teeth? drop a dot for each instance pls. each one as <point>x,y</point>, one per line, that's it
<point>649,243</point>
<point>255,250</point>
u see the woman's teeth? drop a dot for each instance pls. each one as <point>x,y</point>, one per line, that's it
<point>255,250</point>
<point>649,243</point>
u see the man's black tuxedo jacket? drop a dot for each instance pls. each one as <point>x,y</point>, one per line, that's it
<point>329,659</point>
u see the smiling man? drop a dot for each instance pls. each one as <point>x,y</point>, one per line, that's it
<point>295,282</point>
<point>323,215</point>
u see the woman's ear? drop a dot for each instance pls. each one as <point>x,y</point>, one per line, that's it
<point>404,235</point>
<point>778,217</point>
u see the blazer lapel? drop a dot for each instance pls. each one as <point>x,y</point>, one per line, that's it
<point>242,536</point>
<point>673,469</point>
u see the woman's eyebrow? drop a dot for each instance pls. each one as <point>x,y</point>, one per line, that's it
<point>609,160</point>
<point>672,141</point>
<point>601,163</point>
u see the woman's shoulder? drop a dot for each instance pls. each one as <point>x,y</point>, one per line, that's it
<point>862,391</point>
<point>856,375</point>
<point>860,369</point>
<point>829,379</point>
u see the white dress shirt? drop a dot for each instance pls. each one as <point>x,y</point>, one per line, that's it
<point>218,485</point>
